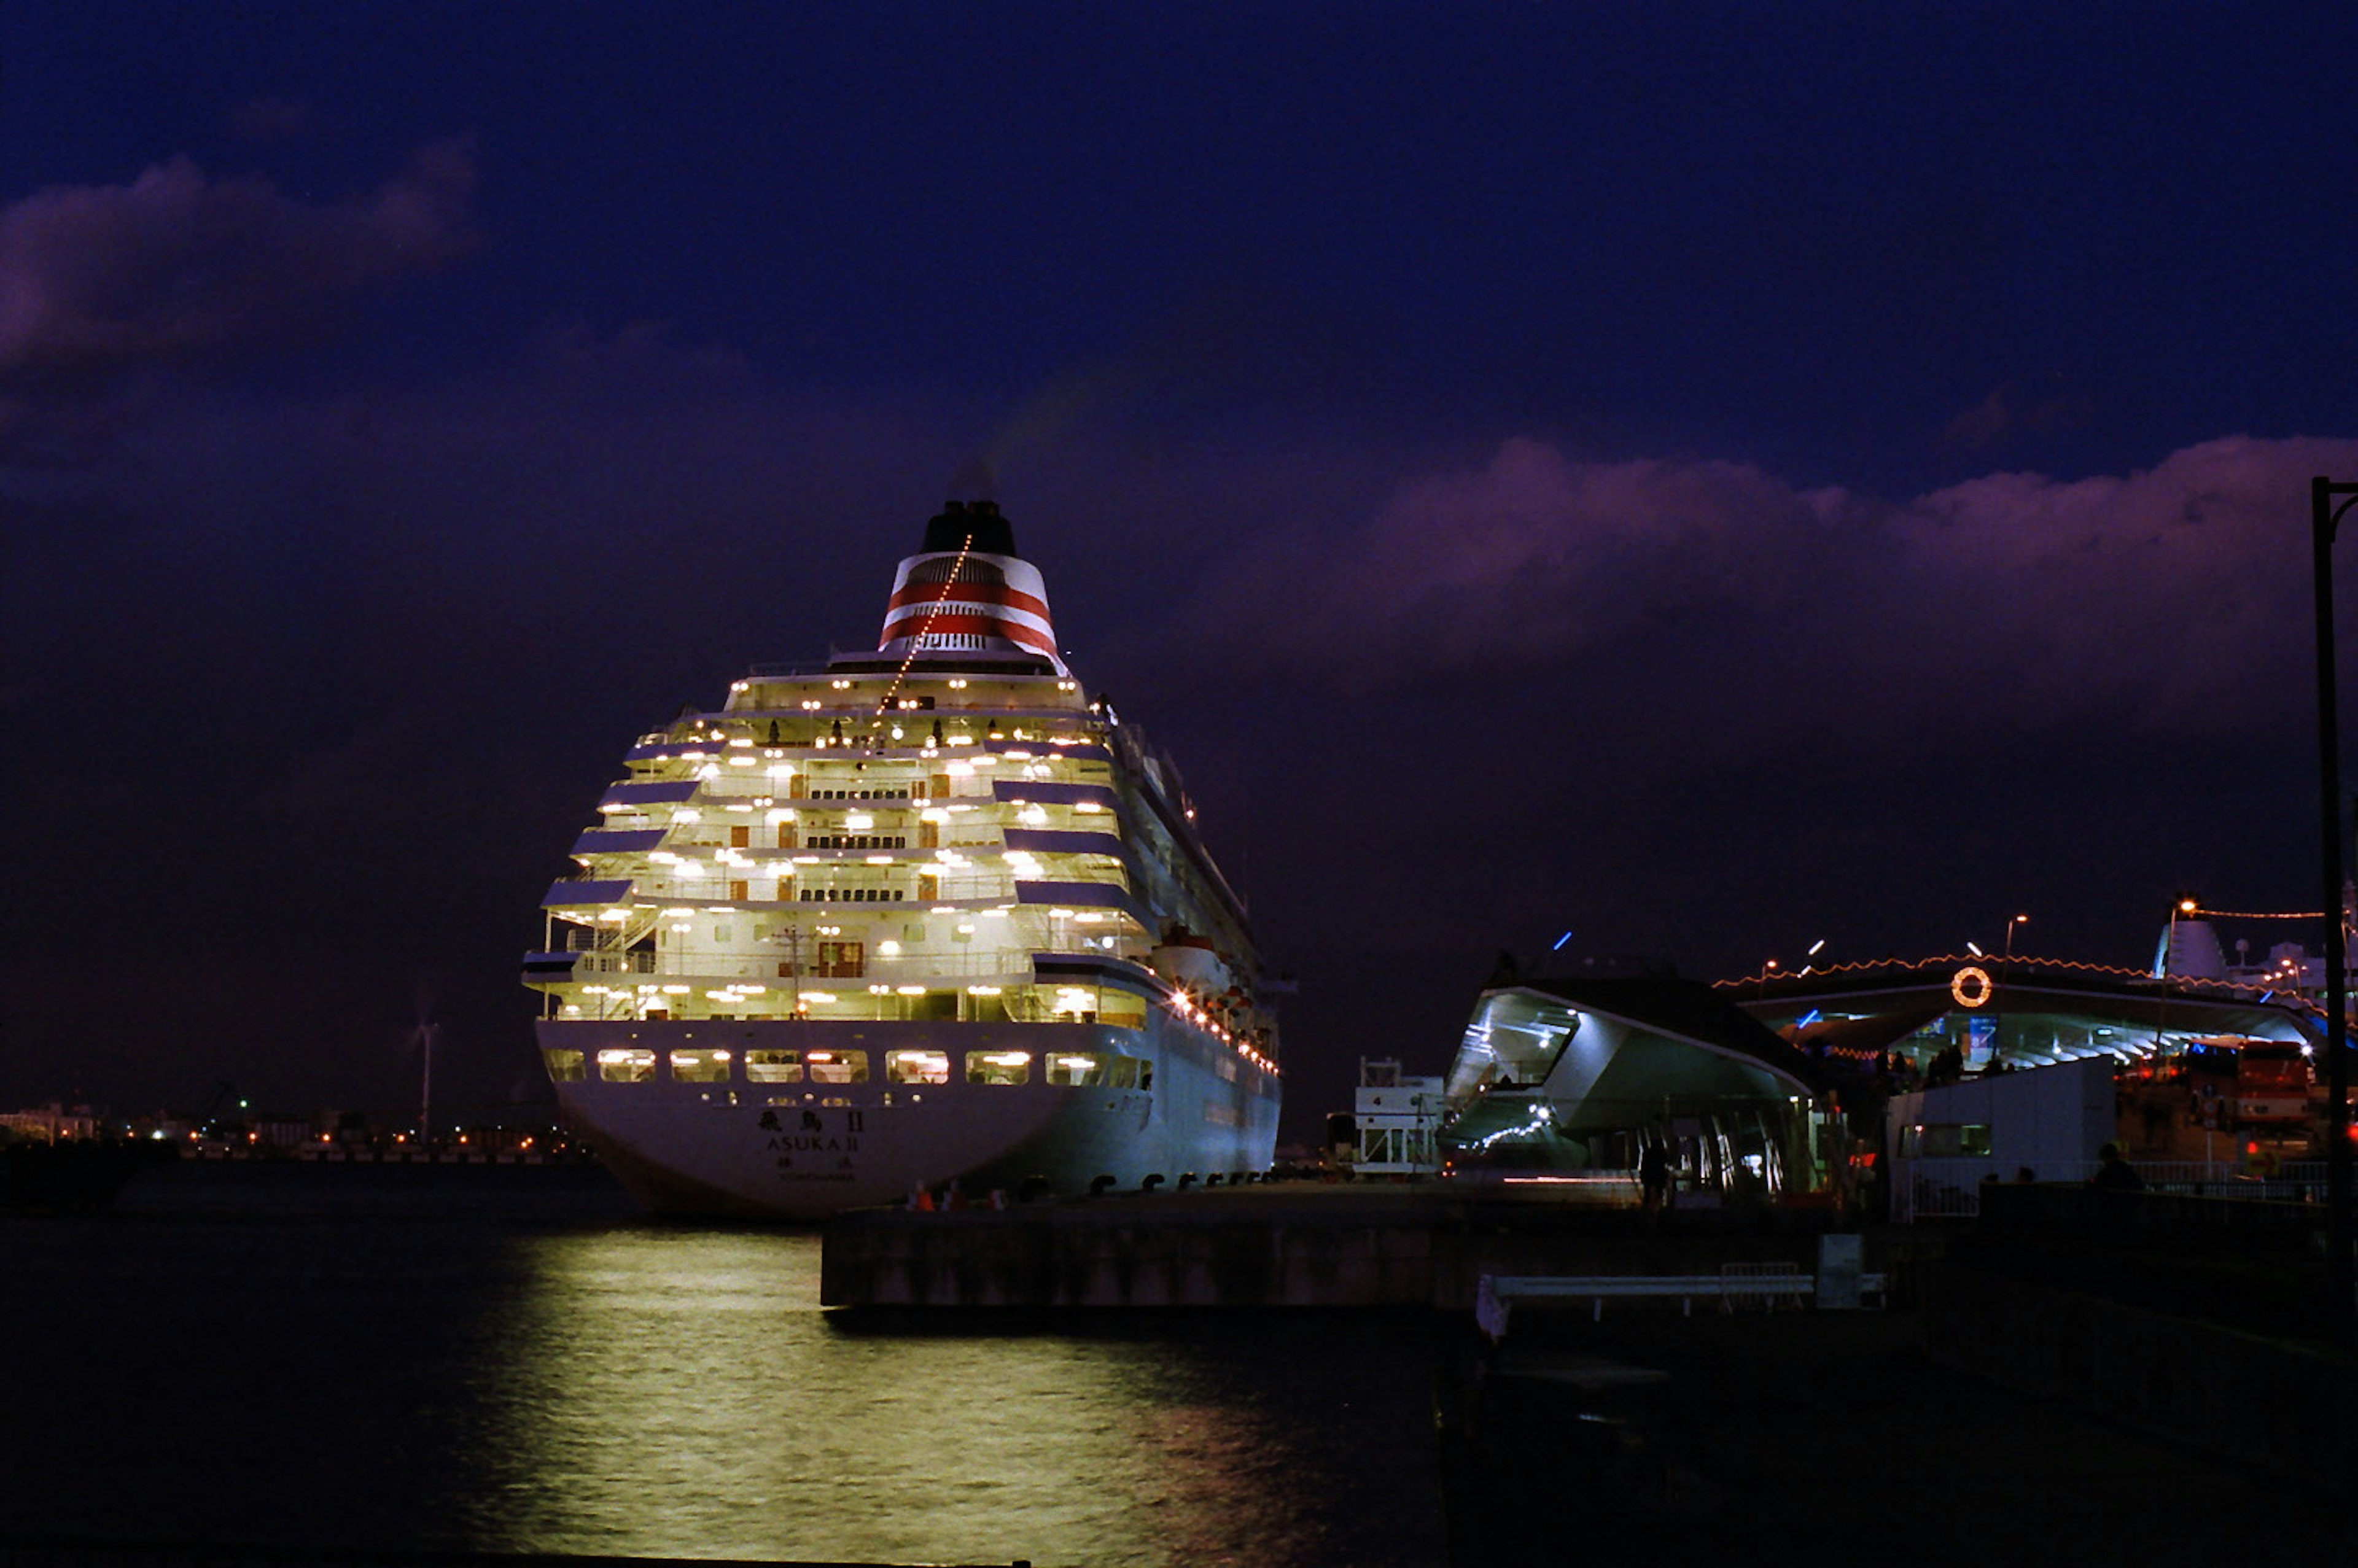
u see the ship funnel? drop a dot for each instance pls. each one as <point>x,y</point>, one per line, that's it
<point>967,590</point>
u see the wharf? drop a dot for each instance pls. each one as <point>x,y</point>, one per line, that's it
<point>1364,1245</point>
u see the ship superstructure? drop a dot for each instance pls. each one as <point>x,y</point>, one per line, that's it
<point>924,917</point>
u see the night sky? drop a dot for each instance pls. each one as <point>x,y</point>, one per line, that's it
<point>1703,478</point>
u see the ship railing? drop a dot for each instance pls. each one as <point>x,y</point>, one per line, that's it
<point>594,962</point>
<point>1110,876</point>
<point>852,1003</point>
<point>994,885</point>
<point>1012,964</point>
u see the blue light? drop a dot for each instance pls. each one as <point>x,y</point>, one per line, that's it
<point>1560,942</point>
<point>1807,1019</point>
<point>2266,996</point>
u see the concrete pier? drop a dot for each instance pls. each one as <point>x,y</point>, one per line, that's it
<point>1301,1246</point>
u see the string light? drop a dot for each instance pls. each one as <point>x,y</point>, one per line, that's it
<point>2247,914</point>
<point>931,613</point>
<point>1951,960</point>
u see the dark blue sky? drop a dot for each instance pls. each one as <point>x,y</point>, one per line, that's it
<point>1708,477</point>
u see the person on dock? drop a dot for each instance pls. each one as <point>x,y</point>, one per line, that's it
<point>2115,1174</point>
<point>1654,1172</point>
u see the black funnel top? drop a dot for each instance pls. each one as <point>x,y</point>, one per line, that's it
<point>976,520</point>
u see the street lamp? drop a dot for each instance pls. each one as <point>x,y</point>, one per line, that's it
<point>1997,1013</point>
<point>2187,907</point>
<point>2329,502</point>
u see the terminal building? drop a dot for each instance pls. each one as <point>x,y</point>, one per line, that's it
<point>1775,1087</point>
<point>1567,1081</point>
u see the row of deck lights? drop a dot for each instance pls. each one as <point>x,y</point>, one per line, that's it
<point>1200,1017</point>
<point>1069,999</point>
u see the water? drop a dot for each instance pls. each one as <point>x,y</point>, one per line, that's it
<point>510,1359</point>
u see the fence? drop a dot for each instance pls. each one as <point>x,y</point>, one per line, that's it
<point>1951,1188</point>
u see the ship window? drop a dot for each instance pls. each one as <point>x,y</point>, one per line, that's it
<point>837,1066</point>
<point>773,1066</point>
<point>1115,1007</point>
<point>700,1066</point>
<point>564,1066</point>
<point>917,1066</point>
<point>1121,1072</point>
<point>1076,1068</point>
<point>627,1064</point>
<point>999,1066</point>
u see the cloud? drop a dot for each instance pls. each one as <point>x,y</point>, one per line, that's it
<point>2015,411</point>
<point>2174,596</point>
<point>179,264</point>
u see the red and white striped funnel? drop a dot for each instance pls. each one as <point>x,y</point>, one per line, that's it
<point>969,591</point>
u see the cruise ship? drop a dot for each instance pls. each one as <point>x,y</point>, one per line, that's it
<point>926,923</point>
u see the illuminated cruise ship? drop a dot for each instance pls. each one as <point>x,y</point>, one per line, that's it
<point>925,918</point>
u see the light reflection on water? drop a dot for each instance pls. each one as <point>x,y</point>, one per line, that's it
<point>666,1391</point>
<point>346,1370</point>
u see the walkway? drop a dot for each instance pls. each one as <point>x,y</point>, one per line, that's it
<point>1814,1437</point>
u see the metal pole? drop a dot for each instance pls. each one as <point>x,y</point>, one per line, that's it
<point>2325,514</point>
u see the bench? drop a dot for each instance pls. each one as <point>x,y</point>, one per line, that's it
<point>1497,1295</point>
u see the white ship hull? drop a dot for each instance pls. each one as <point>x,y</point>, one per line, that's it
<point>803,1150</point>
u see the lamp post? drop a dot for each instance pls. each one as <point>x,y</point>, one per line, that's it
<point>1997,1013</point>
<point>2162,971</point>
<point>2329,502</point>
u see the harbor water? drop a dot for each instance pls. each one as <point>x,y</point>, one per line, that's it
<point>511,1359</point>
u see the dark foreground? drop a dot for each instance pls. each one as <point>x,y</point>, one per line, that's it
<point>1805,1437</point>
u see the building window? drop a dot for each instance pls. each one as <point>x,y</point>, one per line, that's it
<point>1947,1141</point>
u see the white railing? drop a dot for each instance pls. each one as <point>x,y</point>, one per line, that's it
<point>1951,1188</point>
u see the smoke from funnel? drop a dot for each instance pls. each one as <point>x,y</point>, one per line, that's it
<point>974,482</point>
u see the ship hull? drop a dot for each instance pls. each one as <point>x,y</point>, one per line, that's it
<point>803,1150</point>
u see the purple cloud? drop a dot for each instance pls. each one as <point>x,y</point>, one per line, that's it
<point>179,265</point>
<point>2176,595</point>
